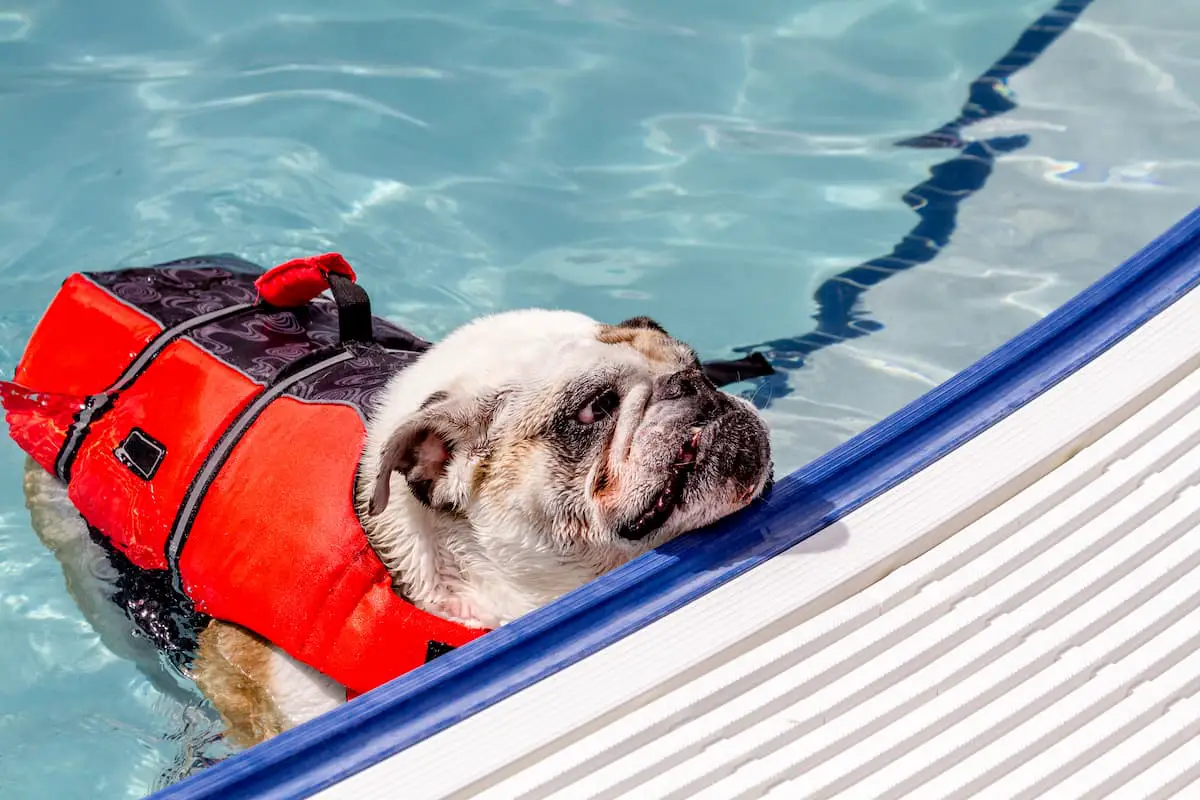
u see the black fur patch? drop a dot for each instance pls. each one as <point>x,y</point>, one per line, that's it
<point>422,490</point>
<point>643,322</point>
<point>434,399</point>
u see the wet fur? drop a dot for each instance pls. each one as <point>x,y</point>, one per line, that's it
<point>234,670</point>
<point>485,497</point>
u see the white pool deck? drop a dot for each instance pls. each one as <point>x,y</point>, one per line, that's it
<point>1017,619</point>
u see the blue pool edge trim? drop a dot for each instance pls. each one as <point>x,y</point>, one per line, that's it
<point>381,723</point>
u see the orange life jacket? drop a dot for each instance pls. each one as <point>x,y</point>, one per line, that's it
<point>209,422</point>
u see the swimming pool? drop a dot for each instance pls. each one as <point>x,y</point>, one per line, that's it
<point>711,167</point>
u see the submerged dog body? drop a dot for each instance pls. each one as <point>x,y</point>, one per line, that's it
<point>519,458</point>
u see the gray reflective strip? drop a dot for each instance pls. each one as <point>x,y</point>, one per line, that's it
<point>97,404</point>
<point>216,459</point>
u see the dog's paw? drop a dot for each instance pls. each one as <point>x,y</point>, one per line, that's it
<point>463,611</point>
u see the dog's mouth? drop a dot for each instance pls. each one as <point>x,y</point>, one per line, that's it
<point>667,500</point>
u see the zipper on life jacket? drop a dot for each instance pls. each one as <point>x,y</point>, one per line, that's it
<point>99,404</point>
<point>215,460</point>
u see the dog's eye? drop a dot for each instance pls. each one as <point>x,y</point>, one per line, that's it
<point>599,407</point>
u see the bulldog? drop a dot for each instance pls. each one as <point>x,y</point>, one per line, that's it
<point>520,457</point>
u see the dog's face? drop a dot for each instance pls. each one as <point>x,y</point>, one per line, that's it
<point>544,442</point>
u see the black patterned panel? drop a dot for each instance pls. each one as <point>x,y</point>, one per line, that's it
<point>356,382</point>
<point>173,295</point>
<point>394,337</point>
<point>263,343</point>
<point>260,342</point>
<point>226,261</point>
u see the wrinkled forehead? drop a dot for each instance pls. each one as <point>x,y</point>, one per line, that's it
<point>575,370</point>
<point>614,351</point>
<point>660,351</point>
<point>533,350</point>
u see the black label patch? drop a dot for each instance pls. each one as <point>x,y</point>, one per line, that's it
<point>141,453</point>
<point>436,649</point>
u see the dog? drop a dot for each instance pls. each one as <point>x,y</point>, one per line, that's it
<point>522,456</point>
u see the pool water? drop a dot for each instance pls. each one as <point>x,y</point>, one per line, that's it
<point>712,164</point>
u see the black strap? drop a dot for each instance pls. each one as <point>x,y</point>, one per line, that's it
<point>723,373</point>
<point>354,309</point>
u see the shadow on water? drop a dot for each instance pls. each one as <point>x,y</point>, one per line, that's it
<point>840,315</point>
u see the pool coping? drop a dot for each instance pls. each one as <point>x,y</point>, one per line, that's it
<point>412,708</point>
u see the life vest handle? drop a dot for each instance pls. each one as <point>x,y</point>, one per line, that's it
<point>295,283</point>
<point>354,309</point>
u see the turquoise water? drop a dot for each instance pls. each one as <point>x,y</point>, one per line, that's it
<point>706,162</point>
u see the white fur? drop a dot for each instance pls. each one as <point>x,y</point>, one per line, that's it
<point>299,691</point>
<point>472,579</point>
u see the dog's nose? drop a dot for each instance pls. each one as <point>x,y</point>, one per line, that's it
<point>689,382</point>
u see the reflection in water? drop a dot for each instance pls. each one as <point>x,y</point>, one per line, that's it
<point>839,315</point>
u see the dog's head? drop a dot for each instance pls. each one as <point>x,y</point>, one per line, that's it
<point>544,448</point>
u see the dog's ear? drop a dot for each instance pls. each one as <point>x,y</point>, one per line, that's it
<point>643,322</point>
<point>423,448</point>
